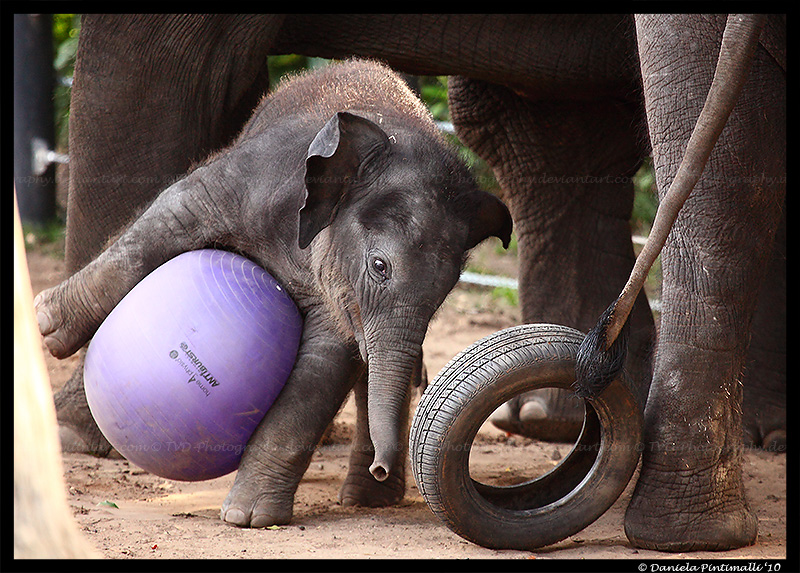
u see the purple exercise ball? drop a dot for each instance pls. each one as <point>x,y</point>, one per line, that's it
<point>182,371</point>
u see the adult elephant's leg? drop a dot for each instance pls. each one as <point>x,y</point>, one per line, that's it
<point>690,495</point>
<point>152,94</point>
<point>764,407</point>
<point>565,169</point>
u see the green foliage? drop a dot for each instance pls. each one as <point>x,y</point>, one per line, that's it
<point>509,295</point>
<point>289,64</point>
<point>433,91</point>
<point>645,201</point>
<point>645,205</point>
<point>66,28</point>
<point>44,233</point>
<point>46,238</point>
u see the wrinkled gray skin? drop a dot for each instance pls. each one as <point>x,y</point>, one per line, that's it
<point>342,188</point>
<point>557,105</point>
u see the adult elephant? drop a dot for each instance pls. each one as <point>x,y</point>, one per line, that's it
<point>561,107</point>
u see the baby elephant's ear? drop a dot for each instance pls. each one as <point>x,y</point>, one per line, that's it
<point>489,218</point>
<point>340,152</point>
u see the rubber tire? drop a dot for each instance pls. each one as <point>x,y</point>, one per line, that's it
<point>549,508</point>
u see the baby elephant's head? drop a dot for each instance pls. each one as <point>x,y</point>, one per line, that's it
<point>391,217</point>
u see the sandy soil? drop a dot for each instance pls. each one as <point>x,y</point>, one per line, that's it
<point>127,513</point>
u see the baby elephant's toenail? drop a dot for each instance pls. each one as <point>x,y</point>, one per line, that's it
<point>45,324</point>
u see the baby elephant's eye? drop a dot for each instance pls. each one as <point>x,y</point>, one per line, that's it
<point>379,268</point>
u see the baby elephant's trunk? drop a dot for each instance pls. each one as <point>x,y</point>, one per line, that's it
<point>390,373</point>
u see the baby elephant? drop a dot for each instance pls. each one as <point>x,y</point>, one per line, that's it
<point>342,188</point>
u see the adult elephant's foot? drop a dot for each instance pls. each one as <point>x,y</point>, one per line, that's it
<point>550,415</point>
<point>256,501</point>
<point>764,410</point>
<point>674,508</point>
<point>362,489</point>
<point>770,438</point>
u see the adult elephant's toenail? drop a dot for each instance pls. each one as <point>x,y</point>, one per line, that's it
<point>236,517</point>
<point>532,411</point>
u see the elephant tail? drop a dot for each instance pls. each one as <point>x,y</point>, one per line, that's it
<point>599,361</point>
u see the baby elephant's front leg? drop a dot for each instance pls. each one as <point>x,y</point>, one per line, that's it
<point>280,450</point>
<point>179,220</point>
<point>70,313</point>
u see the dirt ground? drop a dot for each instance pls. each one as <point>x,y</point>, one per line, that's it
<point>127,513</point>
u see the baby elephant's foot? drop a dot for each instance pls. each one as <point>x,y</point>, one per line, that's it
<point>254,502</point>
<point>361,488</point>
<point>63,335</point>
